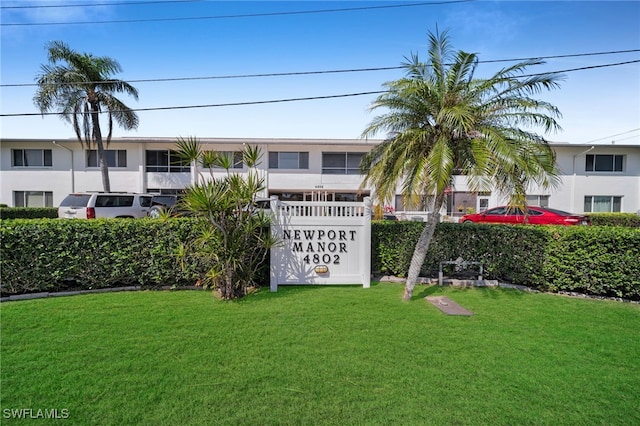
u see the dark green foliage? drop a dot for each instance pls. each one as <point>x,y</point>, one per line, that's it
<point>28,212</point>
<point>593,260</point>
<point>53,255</point>
<point>631,220</point>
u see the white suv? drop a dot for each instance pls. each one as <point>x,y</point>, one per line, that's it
<point>93,205</point>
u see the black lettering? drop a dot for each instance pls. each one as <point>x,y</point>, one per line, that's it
<point>353,235</point>
<point>296,234</point>
<point>343,235</point>
<point>309,234</point>
<point>286,234</point>
<point>310,248</point>
<point>321,246</point>
<point>331,234</point>
<point>332,247</point>
<point>296,247</point>
<point>320,234</point>
<point>343,247</point>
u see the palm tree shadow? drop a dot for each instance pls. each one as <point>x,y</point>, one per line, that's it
<point>427,290</point>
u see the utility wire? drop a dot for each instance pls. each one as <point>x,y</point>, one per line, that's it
<point>274,101</point>
<point>284,74</point>
<point>617,134</point>
<point>310,98</point>
<point>247,15</point>
<point>122,3</point>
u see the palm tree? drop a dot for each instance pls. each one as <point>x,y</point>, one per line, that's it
<point>80,87</point>
<point>440,121</point>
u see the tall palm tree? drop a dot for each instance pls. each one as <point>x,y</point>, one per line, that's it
<point>80,87</point>
<point>440,121</point>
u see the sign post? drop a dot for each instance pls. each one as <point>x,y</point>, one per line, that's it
<point>321,243</point>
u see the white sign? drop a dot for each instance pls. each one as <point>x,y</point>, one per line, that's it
<point>321,243</point>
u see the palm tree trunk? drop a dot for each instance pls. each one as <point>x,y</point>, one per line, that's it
<point>102,160</point>
<point>422,246</point>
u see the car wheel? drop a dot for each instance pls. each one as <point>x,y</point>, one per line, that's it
<point>467,221</point>
<point>155,212</point>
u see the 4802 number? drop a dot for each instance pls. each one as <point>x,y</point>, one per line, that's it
<point>325,258</point>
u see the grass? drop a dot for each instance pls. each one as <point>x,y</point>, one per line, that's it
<point>323,355</point>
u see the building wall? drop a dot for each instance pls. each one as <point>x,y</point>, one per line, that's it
<point>576,182</point>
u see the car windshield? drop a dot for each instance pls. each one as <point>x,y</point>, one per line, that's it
<point>76,200</point>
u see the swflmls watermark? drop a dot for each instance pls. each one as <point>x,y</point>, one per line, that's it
<point>35,413</point>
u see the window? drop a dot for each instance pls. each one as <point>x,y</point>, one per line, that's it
<point>602,203</point>
<point>236,156</point>
<point>115,157</point>
<point>341,163</point>
<point>604,163</point>
<point>114,201</point>
<point>288,160</point>
<point>166,161</point>
<point>165,191</point>
<point>538,200</point>
<point>31,157</point>
<point>33,199</point>
<point>498,211</point>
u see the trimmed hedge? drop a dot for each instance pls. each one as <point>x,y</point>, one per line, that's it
<point>54,255</point>
<point>630,220</point>
<point>28,212</point>
<point>588,259</point>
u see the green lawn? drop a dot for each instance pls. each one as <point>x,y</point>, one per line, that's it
<point>323,355</point>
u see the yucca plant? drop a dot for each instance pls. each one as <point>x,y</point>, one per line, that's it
<point>235,233</point>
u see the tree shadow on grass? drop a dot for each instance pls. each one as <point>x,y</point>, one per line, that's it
<point>289,290</point>
<point>487,292</point>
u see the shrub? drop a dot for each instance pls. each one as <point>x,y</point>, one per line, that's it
<point>234,234</point>
<point>52,255</point>
<point>590,259</point>
<point>28,212</point>
<point>594,260</point>
<point>506,252</point>
<point>631,220</point>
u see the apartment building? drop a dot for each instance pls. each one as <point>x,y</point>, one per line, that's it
<point>39,172</point>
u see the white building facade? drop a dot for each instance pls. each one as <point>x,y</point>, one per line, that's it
<point>37,173</point>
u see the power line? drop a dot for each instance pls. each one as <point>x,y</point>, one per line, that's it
<point>310,98</point>
<point>247,15</point>
<point>613,136</point>
<point>122,3</point>
<point>295,73</point>
<point>591,67</point>
<point>274,101</point>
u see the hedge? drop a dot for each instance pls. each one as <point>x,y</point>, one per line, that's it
<point>54,255</point>
<point>28,212</point>
<point>631,220</point>
<point>587,259</point>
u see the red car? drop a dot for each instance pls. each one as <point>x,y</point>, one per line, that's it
<point>535,216</point>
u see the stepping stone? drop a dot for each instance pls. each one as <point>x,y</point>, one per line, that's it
<point>448,306</point>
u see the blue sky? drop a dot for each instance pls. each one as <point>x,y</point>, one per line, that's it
<point>601,104</point>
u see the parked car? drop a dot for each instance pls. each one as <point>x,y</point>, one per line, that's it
<point>165,202</point>
<point>93,205</point>
<point>534,216</point>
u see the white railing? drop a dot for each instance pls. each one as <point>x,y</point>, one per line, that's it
<point>319,209</point>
